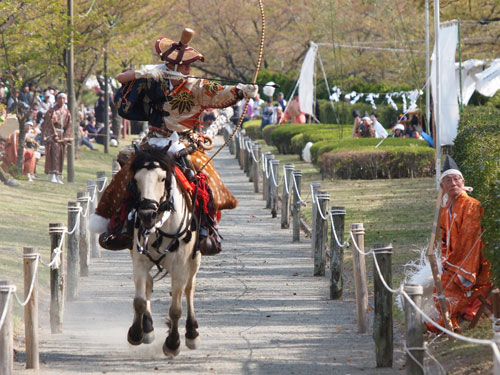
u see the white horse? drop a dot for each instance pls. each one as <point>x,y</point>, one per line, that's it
<point>163,237</point>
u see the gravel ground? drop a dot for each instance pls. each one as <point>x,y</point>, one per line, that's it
<point>259,308</point>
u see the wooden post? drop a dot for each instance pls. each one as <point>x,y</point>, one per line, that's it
<point>267,155</point>
<point>95,249</point>
<point>242,152</point>
<point>285,198</point>
<point>246,160</point>
<point>297,178</point>
<point>268,182</point>
<point>30,261</point>
<point>56,278</point>
<point>236,141</point>
<point>227,133</point>
<point>321,227</point>
<point>101,184</point>
<point>359,269</point>
<point>414,333</point>
<point>256,167</point>
<point>337,252</point>
<point>496,339</point>
<point>382,324</point>
<point>274,182</point>
<point>251,153</point>
<point>315,186</point>
<point>73,251</point>
<point>84,244</point>
<point>6,330</point>
<point>495,302</point>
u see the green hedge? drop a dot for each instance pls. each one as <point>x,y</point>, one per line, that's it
<point>364,143</point>
<point>252,129</point>
<point>477,153</point>
<point>386,113</point>
<point>282,136</point>
<point>267,132</point>
<point>395,162</point>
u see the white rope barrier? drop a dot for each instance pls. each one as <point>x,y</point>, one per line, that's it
<point>407,350</point>
<point>100,179</point>
<point>274,178</point>
<point>94,193</point>
<point>312,193</point>
<point>253,155</point>
<point>319,209</point>
<point>10,289</point>
<point>86,200</point>
<point>301,201</point>
<point>287,189</point>
<point>266,167</point>
<point>330,214</point>
<point>77,223</point>
<point>32,283</point>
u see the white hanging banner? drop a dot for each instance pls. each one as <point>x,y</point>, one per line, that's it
<point>488,81</point>
<point>306,81</point>
<point>448,115</point>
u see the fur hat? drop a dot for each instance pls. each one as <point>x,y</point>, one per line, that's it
<point>178,52</point>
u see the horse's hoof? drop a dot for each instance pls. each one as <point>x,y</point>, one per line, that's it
<point>193,343</point>
<point>149,337</point>
<point>134,340</point>
<point>171,354</point>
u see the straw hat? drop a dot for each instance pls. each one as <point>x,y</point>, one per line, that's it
<point>178,52</point>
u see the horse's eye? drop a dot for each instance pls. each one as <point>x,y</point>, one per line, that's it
<point>163,179</point>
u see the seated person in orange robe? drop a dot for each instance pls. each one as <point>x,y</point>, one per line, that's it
<point>465,269</point>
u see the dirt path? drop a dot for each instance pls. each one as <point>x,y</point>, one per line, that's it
<point>259,308</point>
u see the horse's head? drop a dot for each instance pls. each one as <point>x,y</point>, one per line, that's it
<point>152,169</point>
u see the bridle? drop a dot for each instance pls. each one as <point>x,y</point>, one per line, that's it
<point>162,211</point>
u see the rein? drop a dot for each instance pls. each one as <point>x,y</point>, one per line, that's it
<point>182,231</point>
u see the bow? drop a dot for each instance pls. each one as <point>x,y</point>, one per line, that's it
<point>254,80</point>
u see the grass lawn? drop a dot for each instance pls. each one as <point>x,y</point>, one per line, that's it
<point>26,211</point>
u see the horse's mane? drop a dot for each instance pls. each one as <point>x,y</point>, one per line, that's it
<point>145,158</point>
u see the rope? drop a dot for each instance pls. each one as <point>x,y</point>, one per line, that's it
<point>301,201</point>
<point>274,178</point>
<point>87,201</point>
<point>319,209</point>
<point>94,191</point>
<point>253,155</point>
<point>104,181</point>
<point>287,188</point>
<point>356,245</point>
<point>10,289</point>
<point>267,168</point>
<point>330,213</point>
<point>407,350</point>
<point>35,256</point>
<point>254,80</point>
<point>56,259</point>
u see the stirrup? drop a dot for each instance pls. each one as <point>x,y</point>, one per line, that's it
<point>113,241</point>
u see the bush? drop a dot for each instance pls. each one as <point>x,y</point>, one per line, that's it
<point>477,153</point>
<point>330,145</point>
<point>267,133</point>
<point>396,162</point>
<point>252,129</point>
<point>282,136</point>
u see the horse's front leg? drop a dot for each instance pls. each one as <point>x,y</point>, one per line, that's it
<point>192,335</point>
<point>135,334</point>
<point>171,347</point>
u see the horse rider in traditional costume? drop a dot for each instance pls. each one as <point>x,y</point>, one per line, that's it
<point>172,102</point>
<point>465,269</point>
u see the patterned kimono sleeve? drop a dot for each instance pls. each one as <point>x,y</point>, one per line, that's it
<point>47,130</point>
<point>211,94</point>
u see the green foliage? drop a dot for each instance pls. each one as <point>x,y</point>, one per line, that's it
<point>364,144</point>
<point>267,133</point>
<point>286,82</point>
<point>371,163</point>
<point>477,153</point>
<point>343,112</point>
<point>252,129</point>
<point>282,136</point>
